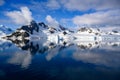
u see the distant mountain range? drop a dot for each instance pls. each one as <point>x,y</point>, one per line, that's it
<point>41,37</point>
<point>5,31</point>
<point>41,30</point>
<point>38,30</point>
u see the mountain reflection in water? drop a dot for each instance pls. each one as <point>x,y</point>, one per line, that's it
<point>75,58</point>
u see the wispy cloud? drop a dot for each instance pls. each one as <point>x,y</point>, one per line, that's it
<point>53,4</point>
<point>2,2</point>
<point>80,5</point>
<point>24,16</point>
<point>111,17</point>
<point>83,5</point>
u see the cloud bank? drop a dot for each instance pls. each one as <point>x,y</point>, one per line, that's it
<point>76,5</point>
<point>83,5</point>
<point>98,18</point>
<point>24,16</point>
<point>106,11</point>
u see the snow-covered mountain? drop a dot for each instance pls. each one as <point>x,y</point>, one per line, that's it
<point>89,31</point>
<point>4,31</point>
<point>57,34</point>
<point>113,33</point>
<point>39,37</point>
<point>39,30</point>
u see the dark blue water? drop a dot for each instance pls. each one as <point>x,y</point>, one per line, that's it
<point>40,60</point>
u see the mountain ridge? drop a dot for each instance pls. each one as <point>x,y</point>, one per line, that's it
<point>5,31</point>
<point>40,30</point>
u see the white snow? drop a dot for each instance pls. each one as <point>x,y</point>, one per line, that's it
<point>89,34</point>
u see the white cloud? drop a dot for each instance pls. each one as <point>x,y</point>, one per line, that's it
<point>2,2</point>
<point>53,4</point>
<point>24,16</point>
<point>51,21</point>
<point>74,5</point>
<point>111,17</point>
<point>83,5</point>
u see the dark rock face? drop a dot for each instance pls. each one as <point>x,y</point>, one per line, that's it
<point>64,33</point>
<point>43,25</point>
<point>33,27</point>
<point>85,29</point>
<point>52,30</point>
<point>62,28</point>
<point>25,30</point>
<point>17,34</point>
<point>115,31</point>
<point>30,28</point>
<point>25,34</point>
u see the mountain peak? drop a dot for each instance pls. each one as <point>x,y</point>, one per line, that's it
<point>33,22</point>
<point>5,29</point>
<point>40,30</point>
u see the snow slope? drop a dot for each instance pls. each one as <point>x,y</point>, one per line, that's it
<point>4,31</point>
<point>37,31</point>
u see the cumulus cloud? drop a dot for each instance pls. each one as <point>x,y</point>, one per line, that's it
<point>83,5</point>
<point>111,17</point>
<point>51,21</point>
<point>24,16</point>
<point>53,4</point>
<point>2,2</point>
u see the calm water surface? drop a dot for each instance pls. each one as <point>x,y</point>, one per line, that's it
<point>40,60</point>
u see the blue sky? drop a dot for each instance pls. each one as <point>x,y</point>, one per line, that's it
<point>69,13</point>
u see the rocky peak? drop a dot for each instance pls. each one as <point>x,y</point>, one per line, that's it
<point>30,28</point>
<point>62,28</point>
<point>41,24</point>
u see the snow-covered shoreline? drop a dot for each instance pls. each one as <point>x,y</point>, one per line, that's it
<point>38,31</point>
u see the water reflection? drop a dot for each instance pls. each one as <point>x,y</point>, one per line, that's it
<point>61,59</point>
<point>109,59</point>
<point>21,59</point>
<point>97,53</point>
<point>4,45</point>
